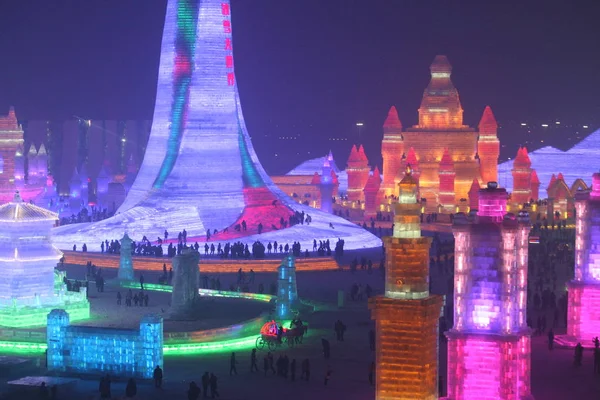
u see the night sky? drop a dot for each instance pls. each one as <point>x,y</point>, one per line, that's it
<point>311,69</point>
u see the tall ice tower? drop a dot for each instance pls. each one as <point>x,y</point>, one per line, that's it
<point>583,321</point>
<point>407,316</point>
<point>200,171</point>
<point>489,346</point>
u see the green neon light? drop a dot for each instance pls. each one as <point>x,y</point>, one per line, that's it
<point>153,287</point>
<point>222,346</point>
<point>22,347</point>
<point>202,292</point>
<point>251,177</point>
<point>29,317</point>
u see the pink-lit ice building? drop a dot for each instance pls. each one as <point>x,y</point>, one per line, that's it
<point>489,345</point>
<point>584,290</point>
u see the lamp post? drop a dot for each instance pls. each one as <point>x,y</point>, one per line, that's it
<point>358,126</point>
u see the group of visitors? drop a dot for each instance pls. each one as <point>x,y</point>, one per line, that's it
<point>140,299</point>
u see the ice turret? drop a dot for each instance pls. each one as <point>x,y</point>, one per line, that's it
<point>488,146</point>
<point>521,173</point>
<point>392,148</point>
<point>372,194</point>
<point>358,173</point>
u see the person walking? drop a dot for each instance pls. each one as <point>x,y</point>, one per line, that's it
<point>271,362</point>
<point>193,391</point>
<point>131,388</point>
<point>328,374</point>
<point>253,365</point>
<point>214,392</point>
<point>158,377</point>
<point>372,373</point>
<point>293,370</point>
<point>205,384</point>
<point>550,339</point>
<point>232,363</point>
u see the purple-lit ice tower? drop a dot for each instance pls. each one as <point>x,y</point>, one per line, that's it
<point>584,290</point>
<point>489,346</point>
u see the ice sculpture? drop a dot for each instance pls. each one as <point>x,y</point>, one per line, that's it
<point>489,345</point>
<point>287,292</point>
<point>392,149</point>
<point>200,170</point>
<point>125,262</point>
<point>29,286</point>
<point>472,154</point>
<point>583,321</point>
<point>11,139</point>
<point>580,161</point>
<point>407,315</point>
<point>358,173</point>
<point>372,195</point>
<point>326,186</point>
<point>186,278</point>
<point>120,352</point>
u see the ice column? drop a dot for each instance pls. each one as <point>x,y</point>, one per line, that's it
<point>125,262</point>
<point>186,275</point>
<point>287,293</point>
<point>584,291</point>
<point>407,316</point>
<point>489,346</point>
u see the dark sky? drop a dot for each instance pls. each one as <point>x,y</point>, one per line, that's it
<point>310,69</point>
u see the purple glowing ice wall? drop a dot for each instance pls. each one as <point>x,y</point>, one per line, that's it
<point>584,291</point>
<point>489,345</point>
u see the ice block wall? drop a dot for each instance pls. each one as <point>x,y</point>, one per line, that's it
<point>120,352</point>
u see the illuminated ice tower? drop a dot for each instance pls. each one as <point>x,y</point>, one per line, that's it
<point>326,185</point>
<point>447,175</point>
<point>584,291</point>
<point>29,286</point>
<point>489,345</point>
<point>392,149</point>
<point>200,171</point>
<point>11,139</point>
<point>521,173</point>
<point>372,195</point>
<point>407,316</point>
<point>488,146</point>
<point>358,173</point>
<point>287,292</point>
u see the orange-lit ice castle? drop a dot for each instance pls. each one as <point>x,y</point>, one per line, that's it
<point>445,155</point>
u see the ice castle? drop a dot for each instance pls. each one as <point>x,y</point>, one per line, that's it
<point>29,286</point>
<point>200,171</point>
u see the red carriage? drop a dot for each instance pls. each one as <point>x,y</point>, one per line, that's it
<point>274,335</point>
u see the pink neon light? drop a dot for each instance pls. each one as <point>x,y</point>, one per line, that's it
<point>227,26</point>
<point>230,79</point>
<point>584,311</point>
<point>595,185</point>
<point>228,45</point>
<point>225,10</point>
<point>488,368</point>
<point>229,61</point>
